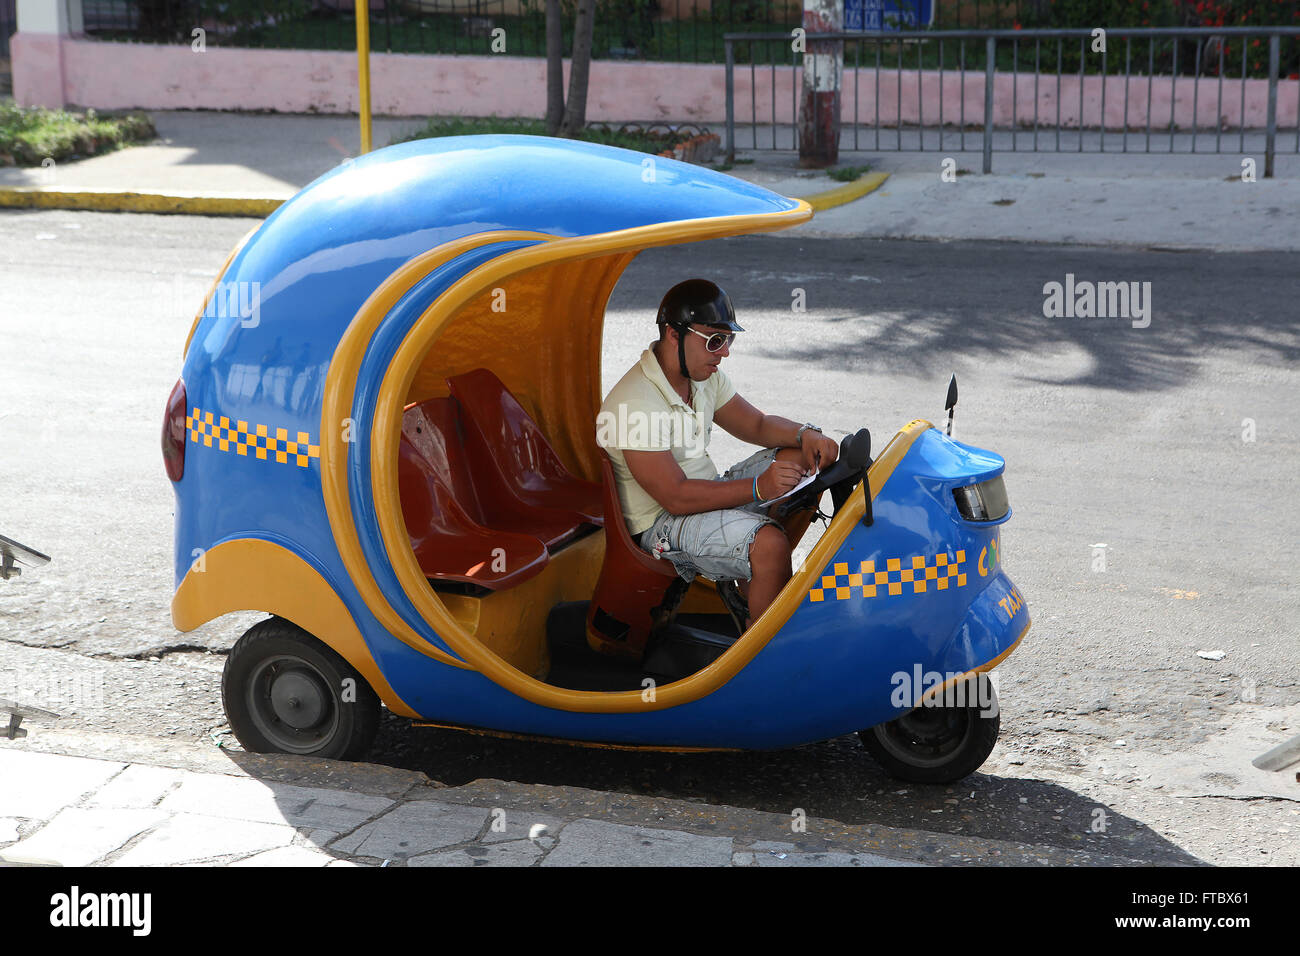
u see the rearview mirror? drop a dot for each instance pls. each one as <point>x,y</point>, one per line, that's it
<point>855,451</point>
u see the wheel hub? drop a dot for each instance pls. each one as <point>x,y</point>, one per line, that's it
<point>927,735</point>
<point>930,726</point>
<point>298,699</point>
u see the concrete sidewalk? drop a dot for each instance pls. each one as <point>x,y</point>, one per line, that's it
<point>1173,201</point>
<point>250,162</point>
<point>89,799</point>
<point>247,163</point>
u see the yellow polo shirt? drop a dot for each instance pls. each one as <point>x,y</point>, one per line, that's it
<point>643,413</point>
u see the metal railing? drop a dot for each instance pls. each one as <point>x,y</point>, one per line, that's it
<point>689,31</point>
<point>662,30</point>
<point>1003,68</point>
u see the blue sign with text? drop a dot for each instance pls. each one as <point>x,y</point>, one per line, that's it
<point>888,14</point>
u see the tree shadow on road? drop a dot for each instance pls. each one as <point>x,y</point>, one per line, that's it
<point>908,308</point>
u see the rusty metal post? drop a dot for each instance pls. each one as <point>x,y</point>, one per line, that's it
<point>1270,132</point>
<point>731,97</point>
<point>990,74</point>
<point>819,107</point>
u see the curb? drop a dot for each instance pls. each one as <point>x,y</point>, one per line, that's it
<point>752,831</point>
<point>846,193</point>
<point>193,204</point>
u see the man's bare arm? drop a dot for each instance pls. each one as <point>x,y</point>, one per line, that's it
<point>663,479</point>
<point>747,423</point>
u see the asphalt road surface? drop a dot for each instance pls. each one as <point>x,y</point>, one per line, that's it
<point>1165,454</point>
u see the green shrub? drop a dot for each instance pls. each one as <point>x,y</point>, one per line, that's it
<point>847,174</point>
<point>644,141</point>
<point>29,136</point>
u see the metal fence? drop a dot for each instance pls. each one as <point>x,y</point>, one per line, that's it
<point>667,30</point>
<point>688,31</point>
<point>889,80</point>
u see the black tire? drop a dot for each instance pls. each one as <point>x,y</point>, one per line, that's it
<point>938,744</point>
<point>284,692</point>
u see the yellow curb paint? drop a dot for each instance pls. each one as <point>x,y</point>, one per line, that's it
<point>846,193</point>
<point>107,201</point>
<point>200,205</point>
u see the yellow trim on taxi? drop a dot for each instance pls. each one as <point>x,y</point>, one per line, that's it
<point>251,574</point>
<point>386,431</point>
<point>336,410</point>
<point>694,687</point>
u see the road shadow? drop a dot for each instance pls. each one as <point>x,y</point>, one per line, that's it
<point>834,779</point>
<point>907,308</point>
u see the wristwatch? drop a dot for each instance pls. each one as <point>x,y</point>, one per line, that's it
<point>798,436</point>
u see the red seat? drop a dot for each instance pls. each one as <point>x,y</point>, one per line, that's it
<point>632,584</point>
<point>441,509</point>
<point>523,484</point>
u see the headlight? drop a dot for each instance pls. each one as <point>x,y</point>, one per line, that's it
<point>986,501</point>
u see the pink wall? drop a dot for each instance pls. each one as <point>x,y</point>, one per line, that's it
<point>151,76</point>
<point>37,65</point>
<point>105,75</point>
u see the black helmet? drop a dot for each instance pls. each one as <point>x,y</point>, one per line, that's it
<point>697,302</point>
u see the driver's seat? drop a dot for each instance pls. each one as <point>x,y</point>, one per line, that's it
<point>635,592</point>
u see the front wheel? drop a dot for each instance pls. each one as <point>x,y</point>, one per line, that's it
<point>940,743</point>
<point>287,692</point>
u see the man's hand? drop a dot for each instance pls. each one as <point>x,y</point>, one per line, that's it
<point>813,444</point>
<point>779,478</point>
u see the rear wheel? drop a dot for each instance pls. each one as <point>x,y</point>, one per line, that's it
<point>286,692</point>
<point>938,744</point>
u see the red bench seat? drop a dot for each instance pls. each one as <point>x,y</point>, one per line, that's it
<point>518,472</point>
<point>449,538</point>
<point>476,474</point>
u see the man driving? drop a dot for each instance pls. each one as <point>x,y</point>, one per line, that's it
<point>655,426</point>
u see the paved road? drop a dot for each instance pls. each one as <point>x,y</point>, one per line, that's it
<point>1131,437</point>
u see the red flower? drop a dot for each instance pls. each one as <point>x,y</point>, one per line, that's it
<point>1015,26</point>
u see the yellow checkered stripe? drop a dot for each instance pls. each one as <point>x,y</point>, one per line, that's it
<point>245,439</point>
<point>891,577</point>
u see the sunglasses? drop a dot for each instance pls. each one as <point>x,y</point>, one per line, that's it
<point>717,341</point>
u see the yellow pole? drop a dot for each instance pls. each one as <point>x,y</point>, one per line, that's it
<point>363,69</point>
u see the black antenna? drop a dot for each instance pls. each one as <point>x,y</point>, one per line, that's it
<point>951,402</point>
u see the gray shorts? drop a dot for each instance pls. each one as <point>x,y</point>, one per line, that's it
<point>714,544</point>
